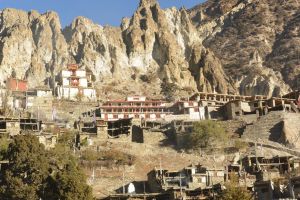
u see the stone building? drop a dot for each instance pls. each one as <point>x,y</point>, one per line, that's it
<point>189,108</point>
<point>76,84</point>
<point>189,178</point>
<point>137,107</point>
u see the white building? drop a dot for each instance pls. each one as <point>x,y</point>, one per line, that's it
<point>189,108</point>
<point>137,107</point>
<point>76,84</point>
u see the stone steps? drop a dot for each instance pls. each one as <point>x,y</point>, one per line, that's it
<point>266,126</point>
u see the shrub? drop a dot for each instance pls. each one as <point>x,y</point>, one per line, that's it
<point>116,156</point>
<point>240,145</point>
<point>205,134</point>
<point>235,192</point>
<point>4,143</point>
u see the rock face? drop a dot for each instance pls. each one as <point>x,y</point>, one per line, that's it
<point>290,131</point>
<point>31,46</point>
<point>240,29</point>
<point>247,47</point>
<point>156,49</point>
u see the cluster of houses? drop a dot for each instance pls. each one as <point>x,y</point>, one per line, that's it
<point>116,117</point>
<point>264,177</point>
<point>32,110</point>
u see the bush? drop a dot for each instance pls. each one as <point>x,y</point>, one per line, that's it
<point>169,90</point>
<point>90,155</point>
<point>235,192</point>
<point>4,143</point>
<point>240,145</point>
<point>116,156</point>
<point>206,134</point>
<point>84,142</point>
<point>67,138</point>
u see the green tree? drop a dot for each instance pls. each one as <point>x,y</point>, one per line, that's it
<point>34,173</point>
<point>27,169</point>
<point>205,134</point>
<point>67,138</point>
<point>69,184</point>
<point>4,143</point>
<point>235,192</point>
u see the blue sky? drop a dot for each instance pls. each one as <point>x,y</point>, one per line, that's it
<point>100,11</point>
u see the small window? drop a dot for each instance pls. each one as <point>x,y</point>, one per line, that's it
<point>264,190</point>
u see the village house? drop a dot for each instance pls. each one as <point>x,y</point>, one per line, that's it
<point>15,93</point>
<point>137,107</point>
<point>9,126</point>
<point>92,125</point>
<point>39,101</point>
<point>190,178</point>
<point>270,168</point>
<point>15,85</point>
<point>189,108</point>
<point>76,84</point>
<point>49,140</point>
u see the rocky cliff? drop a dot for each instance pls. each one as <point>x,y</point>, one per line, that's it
<point>245,46</point>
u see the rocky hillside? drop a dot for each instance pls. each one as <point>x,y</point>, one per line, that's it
<point>228,46</point>
<point>253,34</point>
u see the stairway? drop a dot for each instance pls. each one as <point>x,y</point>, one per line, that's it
<point>267,127</point>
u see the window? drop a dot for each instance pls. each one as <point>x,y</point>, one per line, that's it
<point>100,122</point>
<point>264,190</point>
<point>126,116</point>
<point>115,116</point>
<point>202,180</point>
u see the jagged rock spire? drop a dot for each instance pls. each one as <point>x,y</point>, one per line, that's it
<point>147,2</point>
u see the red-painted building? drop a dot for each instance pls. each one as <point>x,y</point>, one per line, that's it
<point>16,85</point>
<point>134,107</point>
